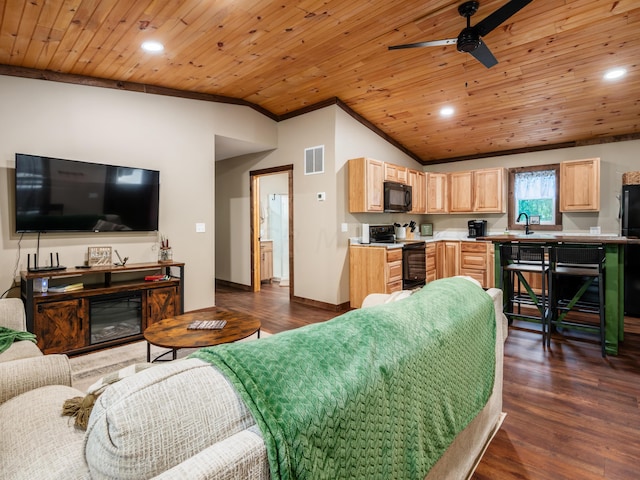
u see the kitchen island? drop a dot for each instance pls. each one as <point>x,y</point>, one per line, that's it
<point>614,272</point>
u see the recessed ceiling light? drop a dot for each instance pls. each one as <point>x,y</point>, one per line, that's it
<point>446,111</point>
<point>153,47</point>
<point>614,73</point>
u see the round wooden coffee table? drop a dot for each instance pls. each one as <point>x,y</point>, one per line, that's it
<point>173,333</point>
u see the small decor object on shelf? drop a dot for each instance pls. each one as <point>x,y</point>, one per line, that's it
<point>99,256</point>
<point>165,254</point>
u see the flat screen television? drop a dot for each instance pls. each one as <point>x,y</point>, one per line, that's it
<point>57,195</point>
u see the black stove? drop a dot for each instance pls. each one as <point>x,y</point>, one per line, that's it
<point>414,272</point>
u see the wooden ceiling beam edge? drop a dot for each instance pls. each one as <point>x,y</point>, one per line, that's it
<point>37,74</point>
<point>541,148</point>
<point>48,75</point>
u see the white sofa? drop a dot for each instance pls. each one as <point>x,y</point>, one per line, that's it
<point>179,420</point>
<point>23,367</point>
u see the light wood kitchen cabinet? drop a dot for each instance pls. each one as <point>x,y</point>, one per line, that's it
<point>447,259</point>
<point>476,261</point>
<point>373,270</point>
<point>437,193</point>
<point>489,190</point>
<point>477,191</point>
<point>431,262</point>
<point>366,189</point>
<point>395,173</point>
<point>461,192</point>
<point>266,261</point>
<point>580,185</point>
<point>418,181</point>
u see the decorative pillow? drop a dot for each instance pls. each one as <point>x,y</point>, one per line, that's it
<point>80,407</point>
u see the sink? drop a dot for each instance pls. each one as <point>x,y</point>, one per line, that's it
<point>536,235</point>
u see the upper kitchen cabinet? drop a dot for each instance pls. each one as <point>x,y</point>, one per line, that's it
<point>437,193</point>
<point>366,190</point>
<point>460,192</point>
<point>418,182</point>
<point>477,191</point>
<point>580,185</point>
<point>489,190</point>
<point>395,173</point>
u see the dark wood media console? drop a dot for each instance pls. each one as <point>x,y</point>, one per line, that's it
<point>114,306</point>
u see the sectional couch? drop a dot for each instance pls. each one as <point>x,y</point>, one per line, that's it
<point>182,419</point>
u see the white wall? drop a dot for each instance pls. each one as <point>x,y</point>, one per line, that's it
<point>321,268</point>
<point>173,135</point>
<point>615,159</point>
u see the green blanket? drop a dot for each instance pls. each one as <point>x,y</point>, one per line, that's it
<point>376,393</point>
<point>8,336</point>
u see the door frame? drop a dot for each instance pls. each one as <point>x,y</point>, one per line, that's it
<point>254,189</point>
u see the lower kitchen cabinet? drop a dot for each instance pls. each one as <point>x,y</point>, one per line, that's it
<point>474,261</point>
<point>447,258</point>
<point>373,270</point>
<point>431,262</point>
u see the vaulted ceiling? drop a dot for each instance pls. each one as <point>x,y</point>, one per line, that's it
<point>287,56</point>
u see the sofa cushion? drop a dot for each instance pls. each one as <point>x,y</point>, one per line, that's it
<point>40,443</point>
<point>149,422</point>
<point>20,349</point>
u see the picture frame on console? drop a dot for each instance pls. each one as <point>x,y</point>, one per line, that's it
<point>99,256</point>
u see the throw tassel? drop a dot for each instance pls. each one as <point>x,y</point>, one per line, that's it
<point>79,407</point>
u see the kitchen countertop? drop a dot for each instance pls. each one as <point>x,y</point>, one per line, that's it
<point>560,237</point>
<point>437,237</point>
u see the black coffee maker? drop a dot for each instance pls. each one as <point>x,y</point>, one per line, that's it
<point>477,228</point>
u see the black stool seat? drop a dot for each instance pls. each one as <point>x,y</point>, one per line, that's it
<point>585,263</point>
<point>516,259</point>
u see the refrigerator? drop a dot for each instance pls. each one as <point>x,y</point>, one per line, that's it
<point>630,202</point>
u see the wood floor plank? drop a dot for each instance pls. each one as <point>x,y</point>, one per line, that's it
<point>571,414</point>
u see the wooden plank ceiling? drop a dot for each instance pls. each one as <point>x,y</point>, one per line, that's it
<point>547,88</point>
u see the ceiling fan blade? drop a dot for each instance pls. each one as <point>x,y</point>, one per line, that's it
<point>434,43</point>
<point>496,18</point>
<point>484,55</point>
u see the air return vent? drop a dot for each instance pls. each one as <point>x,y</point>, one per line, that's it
<point>314,160</point>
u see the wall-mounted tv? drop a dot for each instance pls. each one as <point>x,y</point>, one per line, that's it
<point>57,195</point>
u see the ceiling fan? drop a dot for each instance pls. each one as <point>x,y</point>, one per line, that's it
<point>469,38</point>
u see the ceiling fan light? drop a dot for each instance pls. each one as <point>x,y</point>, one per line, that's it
<point>614,73</point>
<point>152,46</point>
<point>468,40</point>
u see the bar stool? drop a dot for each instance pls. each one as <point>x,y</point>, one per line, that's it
<point>585,263</point>
<point>516,259</point>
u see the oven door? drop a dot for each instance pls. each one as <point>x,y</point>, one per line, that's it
<point>414,265</point>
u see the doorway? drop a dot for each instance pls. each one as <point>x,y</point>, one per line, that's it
<point>272,227</point>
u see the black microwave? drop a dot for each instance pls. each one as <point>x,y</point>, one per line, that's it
<point>397,197</point>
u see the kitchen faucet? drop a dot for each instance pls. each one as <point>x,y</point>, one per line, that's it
<point>526,225</point>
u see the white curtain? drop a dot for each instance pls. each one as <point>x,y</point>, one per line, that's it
<point>535,185</point>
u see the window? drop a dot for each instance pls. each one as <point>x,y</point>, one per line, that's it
<point>535,191</point>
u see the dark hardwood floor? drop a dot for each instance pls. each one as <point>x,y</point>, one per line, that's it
<point>571,414</point>
<point>272,307</point>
